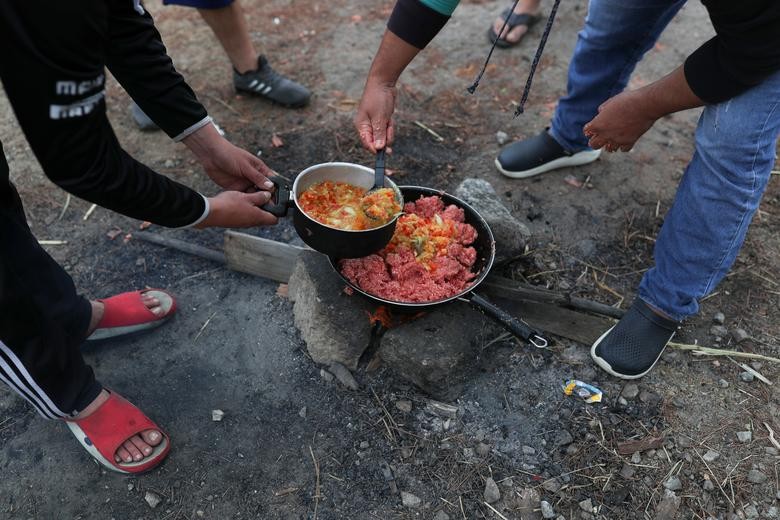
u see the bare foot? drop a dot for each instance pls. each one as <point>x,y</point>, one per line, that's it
<point>134,449</point>
<point>523,7</point>
<point>153,304</point>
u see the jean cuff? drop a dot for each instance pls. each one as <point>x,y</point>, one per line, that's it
<point>670,315</point>
<point>569,147</point>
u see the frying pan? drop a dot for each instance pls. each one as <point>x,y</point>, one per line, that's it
<point>485,246</point>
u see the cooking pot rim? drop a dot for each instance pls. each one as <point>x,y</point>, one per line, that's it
<point>354,166</point>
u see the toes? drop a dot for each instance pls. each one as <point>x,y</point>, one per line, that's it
<point>122,455</point>
<point>139,443</point>
<point>516,33</point>
<point>135,453</point>
<point>152,437</point>
<point>138,447</point>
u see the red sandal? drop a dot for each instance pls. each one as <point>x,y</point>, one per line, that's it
<point>107,428</point>
<point>126,314</point>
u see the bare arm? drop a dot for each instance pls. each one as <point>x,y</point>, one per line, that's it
<point>374,120</point>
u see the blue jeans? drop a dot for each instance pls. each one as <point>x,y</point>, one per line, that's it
<point>723,183</point>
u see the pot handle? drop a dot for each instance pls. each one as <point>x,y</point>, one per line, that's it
<point>514,325</point>
<point>280,199</point>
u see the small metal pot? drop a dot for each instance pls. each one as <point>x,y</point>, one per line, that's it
<point>339,243</point>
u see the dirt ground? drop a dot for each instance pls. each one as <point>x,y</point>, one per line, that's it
<point>294,445</point>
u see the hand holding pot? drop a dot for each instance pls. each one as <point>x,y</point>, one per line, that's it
<point>233,209</point>
<point>229,166</point>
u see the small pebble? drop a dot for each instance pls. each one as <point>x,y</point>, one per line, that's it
<point>302,412</point>
<point>673,483</point>
<point>711,456</point>
<point>441,515</point>
<point>169,163</point>
<point>364,445</point>
<point>719,331</point>
<point>627,471</point>
<point>723,383</point>
<point>708,485</point>
<point>747,377</point>
<point>410,500</point>
<point>630,391</point>
<point>217,415</point>
<point>153,499</point>
<point>751,511</point>
<point>404,405</point>
<point>739,335</point>
<point>527,450</point>
<point>636,458</point>
<point>586,505</point>
<point>502,137</point>
<point>756,477</point>
<point>491,493</point>
<point>719,318</point>
<point>482,449</point>
<point>565,438</point>
<point>745,437</point>
<point>552,485</point>
<point>649,397</point>
<point>547,510</point>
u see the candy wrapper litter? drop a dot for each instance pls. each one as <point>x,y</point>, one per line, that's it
<point>590,393</point>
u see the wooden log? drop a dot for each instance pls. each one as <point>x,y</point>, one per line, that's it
<point>181,245</point>
<point>260,256</point>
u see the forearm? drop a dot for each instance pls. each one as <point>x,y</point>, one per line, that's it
<point>667,95</point>
<point>393,56</point>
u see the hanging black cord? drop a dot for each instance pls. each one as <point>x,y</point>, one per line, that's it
<point>521,107</point>
<point>474,85</point>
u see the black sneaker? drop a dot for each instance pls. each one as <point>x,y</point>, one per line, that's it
<point>539,154</point>
<point>266,82</point>
<point>631,348</point>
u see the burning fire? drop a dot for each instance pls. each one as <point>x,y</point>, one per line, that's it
<point>387,319</point>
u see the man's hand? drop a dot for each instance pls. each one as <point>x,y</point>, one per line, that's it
<point>374,118</point>
<point>233,209</point>
<point>621,121</point>
<point>624,118</point>
<point>229,166</point>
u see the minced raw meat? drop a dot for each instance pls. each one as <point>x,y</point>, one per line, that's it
<point>430,257</point>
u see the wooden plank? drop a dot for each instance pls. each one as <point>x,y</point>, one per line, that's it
<point>260,256</point>
<point>578,326</point>
<point>505,288</point>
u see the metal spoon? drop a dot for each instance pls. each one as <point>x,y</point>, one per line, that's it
<point>379,183</point>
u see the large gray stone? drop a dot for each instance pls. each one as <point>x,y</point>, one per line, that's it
<point>511,235</point>
<point>334,325</point>
<point>437,351</point>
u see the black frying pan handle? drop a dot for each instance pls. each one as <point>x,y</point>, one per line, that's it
<point>280,199</point>
<point>514,325</point>
<point>379,169</point>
